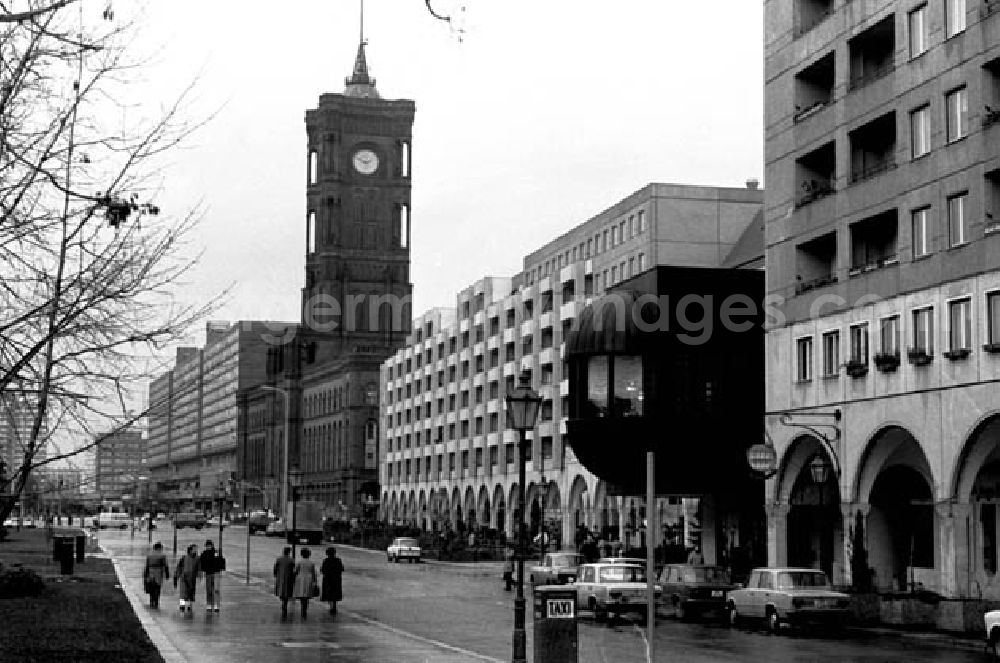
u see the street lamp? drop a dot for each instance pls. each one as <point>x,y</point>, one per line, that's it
<point>522,412</point>
<point>819,469</point>
<point>294,481</point>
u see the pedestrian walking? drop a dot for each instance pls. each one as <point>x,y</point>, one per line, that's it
<point>187,572</point>
<point>695,556</point>
<point>508,571</point>
<point>306,586</point>
<point>284,578</point>
<point>212,564</point>
<point>154,573</point>
<point>332,569</point>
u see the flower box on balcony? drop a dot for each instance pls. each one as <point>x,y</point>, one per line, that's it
<point>992,348</point>
<point>919,356</point>
<point>956,355</point>
<point>887,363</point>
<point>857,368</point>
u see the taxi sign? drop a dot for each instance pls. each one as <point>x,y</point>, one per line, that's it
<point>560,608</point>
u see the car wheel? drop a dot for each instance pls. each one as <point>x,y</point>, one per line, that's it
<point>732,616</point>
<point>993,644</point>
<point>773,621</point>
<point>680,611</point>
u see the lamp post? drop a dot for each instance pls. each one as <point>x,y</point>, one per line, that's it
<point>295,480</point>
<point>220,497</point>
<point>522,411</point>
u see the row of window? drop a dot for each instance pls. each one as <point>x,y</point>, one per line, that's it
<point>921,348</point>
<point>614,235</point>
<point>492,423</point>
<point>811,13</point>
<point>434,467</point>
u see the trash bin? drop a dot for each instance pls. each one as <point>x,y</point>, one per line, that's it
<point>555,624</point>
<point>64,548</point>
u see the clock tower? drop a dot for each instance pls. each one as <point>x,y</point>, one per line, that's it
<point>357,283</point>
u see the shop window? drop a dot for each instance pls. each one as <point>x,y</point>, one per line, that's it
<point>628,392</point>
<point>597,387</point>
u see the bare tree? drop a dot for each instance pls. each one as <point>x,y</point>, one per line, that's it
<point>88,262</point>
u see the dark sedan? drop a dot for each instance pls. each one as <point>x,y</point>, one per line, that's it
<point>694,589</point>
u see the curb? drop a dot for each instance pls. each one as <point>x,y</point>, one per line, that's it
<point>942,639</point>
<point>156,635</point>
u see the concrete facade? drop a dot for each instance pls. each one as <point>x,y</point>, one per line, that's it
<point>882,260</point>
<point>118,464</point>
<point>446,456</point>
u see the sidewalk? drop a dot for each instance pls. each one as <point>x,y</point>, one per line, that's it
<point>249,627</point>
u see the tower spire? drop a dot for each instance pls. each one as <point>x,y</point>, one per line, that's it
<point>359,83</point>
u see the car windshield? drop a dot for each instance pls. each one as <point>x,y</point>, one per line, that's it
<point>798,579</point>
<point>707,574</point>
<point>406,542</point>
<point>623,574</point>
<point>566,560</point>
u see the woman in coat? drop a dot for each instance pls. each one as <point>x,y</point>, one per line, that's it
<point>155,572</point>
<point>284,578</point>
<point>332,569</point>
<point>188,570</point>
<point>305,581</point>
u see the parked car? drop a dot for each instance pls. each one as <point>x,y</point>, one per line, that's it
<point>214,522</point>
<point>612,589</point>
<point>258,521</point>
<point>788,596</point>
<point>190,519</point>
<point>992,621</point>
<point>276,528</point>
<point>622,560</point>
<point>403,548</point>
<point>694,589</point>
<point>557,568</point>
<point>113,520</point>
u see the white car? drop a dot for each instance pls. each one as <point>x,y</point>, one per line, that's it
<point>403,548</point>
<point>992,621</point>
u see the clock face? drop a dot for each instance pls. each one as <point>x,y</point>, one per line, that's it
<point>365,162</point>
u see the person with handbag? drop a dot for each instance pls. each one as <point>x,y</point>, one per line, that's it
<point>154,573</point>
<point>306,585</point>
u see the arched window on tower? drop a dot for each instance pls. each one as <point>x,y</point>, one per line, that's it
<point>404,225</point>
<point>405,158</point>
<point>313,166</point>
<point>311,232</point>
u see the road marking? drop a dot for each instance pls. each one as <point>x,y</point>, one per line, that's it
<point>406,634</point>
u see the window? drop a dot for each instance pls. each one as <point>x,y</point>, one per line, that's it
<point>960,325</point>
<point>597,387</point>
<point>831,353</point>
<point>642,220</point>
<point>628,392</point>
<point>920,131</point>
<point>642,262</point>
<point>921,232</point>
<point>918,30</point>
<point>954,17</point>
<point>957,220</point>
<point>803,352</point>
<point>311,233</point>
<point>313,166</point>
<point>404,225</point>
<point>993,317</point>
<point>957,113</point>
<point>923,330</point>
<point>859,343</point>
<point>590,247</point>
<point>889,335</point>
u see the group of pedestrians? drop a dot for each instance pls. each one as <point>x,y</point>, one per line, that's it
<point>299,580</point>
<point>291,580</point>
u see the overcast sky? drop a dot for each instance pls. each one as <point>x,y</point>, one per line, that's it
<point>546,113</point>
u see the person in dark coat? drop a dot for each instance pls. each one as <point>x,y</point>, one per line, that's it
<point>306,585</point>
<point>332,570</point>
<point>284,579</point>
<point>155,573</point>
<point>211,564</point>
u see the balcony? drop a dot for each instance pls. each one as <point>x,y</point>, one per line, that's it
<point>568,311</point>
<point>509,335</point>
<point>509,368</point>
<point>989,8</point>
<point>810,13</point>
<point>815,171</point>
<point>815,262</point>
<point>872,53</point>
<point>873,148</point>
<point>873,242</point>
<point>527,328</point>
<point>546,320</point>
<point>814,88</point>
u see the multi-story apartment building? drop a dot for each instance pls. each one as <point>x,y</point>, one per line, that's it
<point>883,272</point>
<point>17,417</point>
<point>193,415</point>
<point>118,464</point>
<point>446,455</point>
